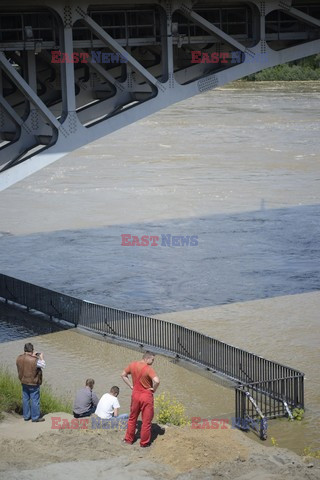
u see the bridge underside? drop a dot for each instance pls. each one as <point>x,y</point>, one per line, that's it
<point>133,59</point>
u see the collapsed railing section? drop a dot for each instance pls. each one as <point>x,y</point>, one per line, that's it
<point>258,401</point>
<point>270,385</point>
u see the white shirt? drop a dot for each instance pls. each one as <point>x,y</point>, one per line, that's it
<point>41,363</point>
<point>106,406</point>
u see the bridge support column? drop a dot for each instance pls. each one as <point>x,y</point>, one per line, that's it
<point>263,44</point>
<point>167,46</point>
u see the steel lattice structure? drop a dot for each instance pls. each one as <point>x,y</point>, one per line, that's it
<point>48,109</point>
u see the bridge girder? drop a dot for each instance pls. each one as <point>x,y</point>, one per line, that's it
<point>50,109</point>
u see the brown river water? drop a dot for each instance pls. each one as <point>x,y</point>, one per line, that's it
<point>238,168</point>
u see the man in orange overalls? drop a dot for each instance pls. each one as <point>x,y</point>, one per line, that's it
<point>145,383</point>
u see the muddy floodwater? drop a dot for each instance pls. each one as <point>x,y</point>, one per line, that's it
<point>239,168</point>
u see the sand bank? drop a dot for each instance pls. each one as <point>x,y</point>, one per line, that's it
<point>36,451</point>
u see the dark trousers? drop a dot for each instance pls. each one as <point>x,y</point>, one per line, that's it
<point>85,414</point>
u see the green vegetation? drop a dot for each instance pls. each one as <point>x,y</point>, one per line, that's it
<point>11,396</point>
<point>51,403</point>
<point>170,411</point>
<point>309,452</point>
<point>10,393</point>
<point>297,413</point>
<point>274,442</point>
<point>305,69</point>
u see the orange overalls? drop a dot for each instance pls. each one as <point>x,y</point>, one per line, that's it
<point>141,401</point>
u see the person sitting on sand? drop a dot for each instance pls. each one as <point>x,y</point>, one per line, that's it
<point>86,400</point>
<point>108,406</point>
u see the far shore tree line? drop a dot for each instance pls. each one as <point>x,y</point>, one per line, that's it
<point>306,69</point>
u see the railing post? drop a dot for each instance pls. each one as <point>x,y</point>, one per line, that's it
<point>295,392</point>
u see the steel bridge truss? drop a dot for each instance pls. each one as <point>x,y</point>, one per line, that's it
<point>138,60</point>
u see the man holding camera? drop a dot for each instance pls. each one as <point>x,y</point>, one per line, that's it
<point>30,365</point>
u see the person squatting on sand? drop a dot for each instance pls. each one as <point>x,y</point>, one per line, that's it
<point>29,366</point>
<point>86,400</point>
<point>145,383</point>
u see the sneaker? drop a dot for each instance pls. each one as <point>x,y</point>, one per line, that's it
<point>40,419</point>
<point>27,419</point>
<point>145,446</point>
<point>125,442</point>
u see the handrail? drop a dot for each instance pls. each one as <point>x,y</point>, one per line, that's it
<point>207,352</point>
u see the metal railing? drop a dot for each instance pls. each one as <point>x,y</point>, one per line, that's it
<point>256,402</point>
<point>272,396</point>
<point>270,384</point>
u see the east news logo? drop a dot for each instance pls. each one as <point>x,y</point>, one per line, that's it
<point>166,240</point>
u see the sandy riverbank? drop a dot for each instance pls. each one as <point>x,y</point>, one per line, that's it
<point>36,451</point>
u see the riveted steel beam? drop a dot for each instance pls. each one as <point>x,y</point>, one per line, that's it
<point>111,42</point>
<point>78,104</point>
<point>209,27</point>
<point>27,90</point>
<point>294,12</point>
